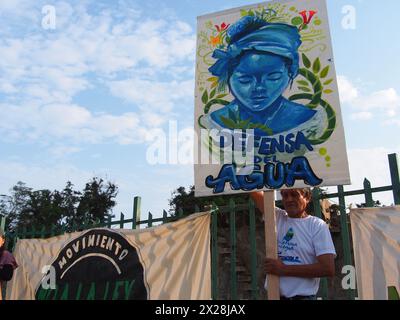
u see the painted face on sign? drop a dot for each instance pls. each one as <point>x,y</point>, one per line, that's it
<point>259,80</point>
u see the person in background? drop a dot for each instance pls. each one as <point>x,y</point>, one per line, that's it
<point>7,263</point>
<point>305,247</point>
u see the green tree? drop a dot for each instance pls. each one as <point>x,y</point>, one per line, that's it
<point>96,202</point>
<point>13,205</point>
<point>25,207</point>
<point>185,200</point>
<point>376,204</point>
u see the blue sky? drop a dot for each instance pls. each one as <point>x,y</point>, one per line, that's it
<point>83,99</point>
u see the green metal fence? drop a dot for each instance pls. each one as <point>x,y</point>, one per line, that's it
<point>248,211</point>
<point>120,223</point>
<point>368,191</point>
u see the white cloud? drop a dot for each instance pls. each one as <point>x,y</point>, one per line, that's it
<point>43,72</point>
<point>13,5</point>
<point>67,121</point>
<point>153,119</point>
<point>7,87</point>
<point>41,177</point>
<point>395,122</point>
<point>347,91</point>
<point>17,8</point>
<point>152,95</point>
<point>62,151</point>
<point>361,115</point>
<point>385,102</point>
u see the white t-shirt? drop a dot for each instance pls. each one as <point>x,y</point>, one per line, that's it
<point>301,241</point>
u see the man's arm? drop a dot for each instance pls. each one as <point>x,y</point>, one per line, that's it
<point>325,267</point>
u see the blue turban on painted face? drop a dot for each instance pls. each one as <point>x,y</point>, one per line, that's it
<point>252,33</point>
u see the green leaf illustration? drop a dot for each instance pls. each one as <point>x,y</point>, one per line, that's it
<point>220,96</point>
<point>303,83</point>
<point>316,66</point>
<point>243,12</point>
<point>317,22</point>
<point>204,97</point>
<point>324,72</point>
<point>296,21</point>
<point>305,89</point>
<point>393,294</point>
<point>228,122</point>
<point>328,82</point>
<point>210,103</point>
<point>328,91</point>
<point>212,94</point>
<point>261,127</point>
<point>212,79</point>
<point>306,61</point>
<point>243,124</point>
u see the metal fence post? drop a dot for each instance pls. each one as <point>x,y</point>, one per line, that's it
<point>369,201</point>
<point>136,211</point>
<point>121,221</point>
<point>3,223</point>
<point>232,229</point>
<point>253,249</point>
<point>395,177</point>
<point>32,233</point>
<point>316,198</point>
<point>150,220</point>
<point>3,228</point>
<point>43,232</point>
<point>345,235</point>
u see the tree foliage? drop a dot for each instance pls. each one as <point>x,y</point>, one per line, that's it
<point>184,199</point>
<point>68,208</point>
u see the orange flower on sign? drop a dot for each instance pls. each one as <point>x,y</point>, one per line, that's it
<point>215,40</point>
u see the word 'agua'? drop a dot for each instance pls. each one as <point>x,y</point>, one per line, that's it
<point>274,176</point>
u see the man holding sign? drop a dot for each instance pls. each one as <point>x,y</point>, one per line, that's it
<point>305,248</point>
<point>267,117</point>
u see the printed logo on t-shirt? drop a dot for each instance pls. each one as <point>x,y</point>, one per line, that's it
<point>289,235</point>
<point>287,247</point>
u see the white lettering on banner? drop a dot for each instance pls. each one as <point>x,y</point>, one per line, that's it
<point>102,241</point>
<point>62,262</point>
